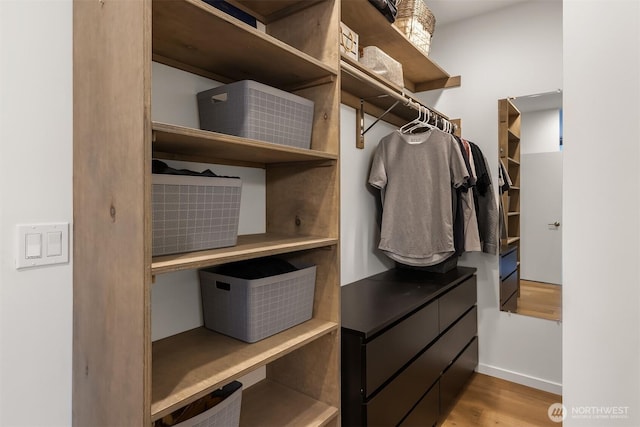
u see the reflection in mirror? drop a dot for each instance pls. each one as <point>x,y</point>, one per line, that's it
<point>530,138</point>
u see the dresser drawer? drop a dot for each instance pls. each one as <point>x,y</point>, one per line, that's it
<point>389,352</point>
<point>508,262</point>
<point>396,398</point>
<point>456,339</point>
<point>508,286</point>
<point>426,412</point>
<point>511,304</point>
<point>455,302</point>
<point>457,375</point>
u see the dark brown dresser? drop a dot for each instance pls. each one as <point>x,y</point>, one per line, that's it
<point>409,344</point>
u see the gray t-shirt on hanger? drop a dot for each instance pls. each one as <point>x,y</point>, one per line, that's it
<point>415,173</point>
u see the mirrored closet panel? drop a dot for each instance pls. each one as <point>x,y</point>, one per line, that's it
<point>530,181</point>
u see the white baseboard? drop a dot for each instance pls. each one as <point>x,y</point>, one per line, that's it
<point>516,377</point>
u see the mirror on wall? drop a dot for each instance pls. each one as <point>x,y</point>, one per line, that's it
<point>530,150</point>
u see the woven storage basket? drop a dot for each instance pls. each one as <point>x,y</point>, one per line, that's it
<point>417,22</point>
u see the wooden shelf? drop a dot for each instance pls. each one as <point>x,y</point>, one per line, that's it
<point>272,10</point>
<point>358,82</point>
<point>514,188</point>
<point>198,38</point>
<point>513,161</point>
<point>271,404</point>
<point>420,72</point>
<point>512,240</point>
<point>363,82</point>
<point>178,142</point>
<point>513,213</point>
<point>191,364</point>
<point>248,247</point>
<point>513,137</point>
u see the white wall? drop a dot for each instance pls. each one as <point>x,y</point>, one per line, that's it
<point>359,227</point>
<point>540,132</point>
<point>503,54</point>
<point>601,234</point>
<point>35,186</point>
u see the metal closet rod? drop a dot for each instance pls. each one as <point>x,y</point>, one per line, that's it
<point>400,98</point>
<point>409,103</point>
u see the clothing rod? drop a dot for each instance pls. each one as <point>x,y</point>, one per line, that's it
<point>404,99</point>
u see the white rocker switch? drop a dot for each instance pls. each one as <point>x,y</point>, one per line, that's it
<point>54,243</point>
<point>33,245</point>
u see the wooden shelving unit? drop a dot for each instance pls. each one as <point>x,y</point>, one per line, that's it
<point>419,71</point>
<point>119,376</point>
<point>509,151</point>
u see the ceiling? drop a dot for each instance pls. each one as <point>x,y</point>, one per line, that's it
<point>448,11</point>
<point>541,101</point>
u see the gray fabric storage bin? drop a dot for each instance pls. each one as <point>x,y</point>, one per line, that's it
<point>224,414</point>
<point>254,110</point>
<point>250,310</point>
<point>192,213</point>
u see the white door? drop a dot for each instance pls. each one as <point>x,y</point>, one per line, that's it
<point>540,209</point>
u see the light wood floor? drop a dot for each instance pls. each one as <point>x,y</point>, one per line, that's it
<point>541,300</point>
<point>489,401</point>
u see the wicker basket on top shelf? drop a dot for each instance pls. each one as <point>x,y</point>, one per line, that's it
<point>417,22</point>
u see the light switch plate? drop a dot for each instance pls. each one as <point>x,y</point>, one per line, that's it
<point>42,244</point>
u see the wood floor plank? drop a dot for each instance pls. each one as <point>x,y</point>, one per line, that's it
<point>489,401</point>
<point>543,300</point>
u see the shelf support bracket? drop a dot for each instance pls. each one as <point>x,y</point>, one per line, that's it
<point>360,131</point>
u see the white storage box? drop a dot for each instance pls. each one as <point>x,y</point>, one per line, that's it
<point>193,213</point>
<point>254,110</point>
<point>250,310</point>
<point>380,63</point>
<point>225,413</point>
<point>348,42</point>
